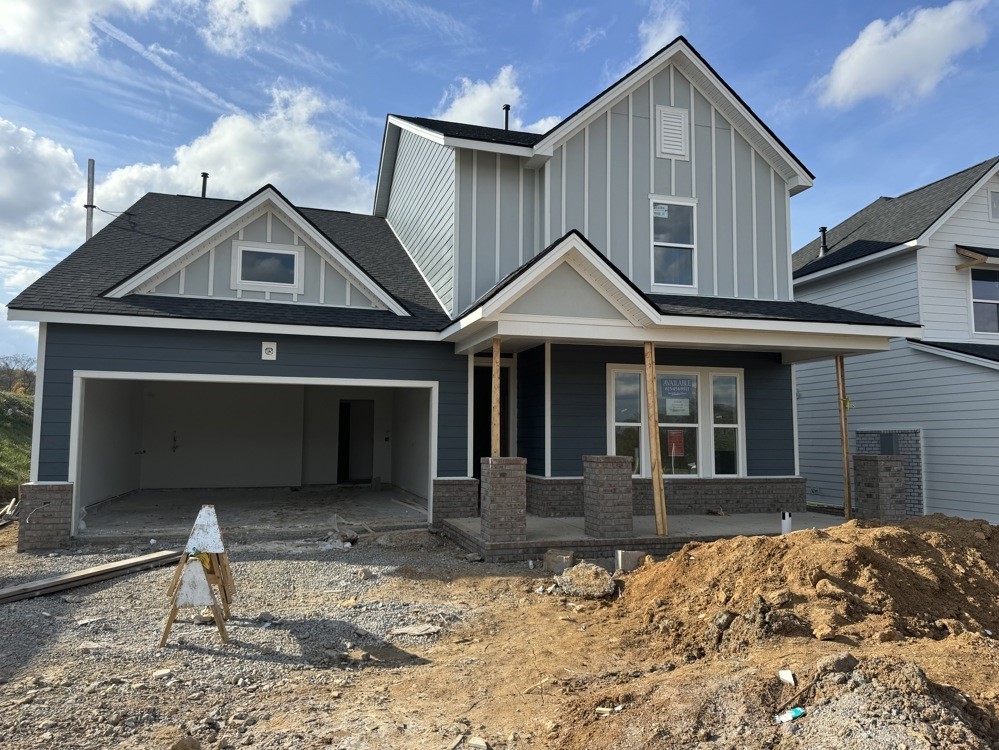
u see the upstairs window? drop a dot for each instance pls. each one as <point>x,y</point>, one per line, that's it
<point>985,300</point>
<point>268,268</point>
<point>994,205</point>
<point>672,244</point>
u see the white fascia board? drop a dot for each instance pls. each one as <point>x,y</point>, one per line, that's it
<point>924,238</point>
<point>959,356</point>
<point>304,228</point>
<point>874,257</point>
<point>412,127</point>
<point>138,321</point>
<point>378,209</point>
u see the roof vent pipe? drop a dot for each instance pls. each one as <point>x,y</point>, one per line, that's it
<point>823,247</point>
<point>506,117</point>
<point>204,184</point>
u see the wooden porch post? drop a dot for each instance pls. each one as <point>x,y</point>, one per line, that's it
<point>495,412</point>
<point>844,438</point>
<point>652,401</point>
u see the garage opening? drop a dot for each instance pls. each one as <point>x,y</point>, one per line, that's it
<point>271,452</point>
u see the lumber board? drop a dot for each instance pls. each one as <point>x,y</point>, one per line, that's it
<point>87,576</point>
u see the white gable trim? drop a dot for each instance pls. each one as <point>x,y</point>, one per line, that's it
<point>959,356</point>
<point>452,142</point>
<point>582,259</point>
<point>925,237</point>
<point>680,54</point>
<point>863,261</point>
<point>266,199</point>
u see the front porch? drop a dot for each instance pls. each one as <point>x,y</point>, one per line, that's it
<point>543,534</point>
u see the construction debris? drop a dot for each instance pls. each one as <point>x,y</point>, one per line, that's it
<point>587,581</point>
<point>9,513</point>
<point>87,576</point>
<point>557,561</point>
<point>416,630</point>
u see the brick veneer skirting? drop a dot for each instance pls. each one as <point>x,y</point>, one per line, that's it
<point>563,497</point>
<point>455,498</point>
<point>607,506</point>
<point>45,516</point>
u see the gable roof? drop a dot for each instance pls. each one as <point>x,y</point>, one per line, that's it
<point>157,223</point>
<point>988,352</point>
<point>889,222</point>
<point>695,305</point>
<point>475,132</point>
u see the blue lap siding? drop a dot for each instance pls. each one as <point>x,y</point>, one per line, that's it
<point>82,347</point>
<point>579,403</point>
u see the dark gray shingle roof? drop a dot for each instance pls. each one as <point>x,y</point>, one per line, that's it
<point>988,252</point>
<point>982,351</point>
<point>157,223</point>
<point>888,222</point>
<point>475,132</point>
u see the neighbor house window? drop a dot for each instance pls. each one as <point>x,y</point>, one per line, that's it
<point>994,205</point>
<point>985,300</point>
<point>701,431</point>
<point>672,244</point>
<point>268,268</point>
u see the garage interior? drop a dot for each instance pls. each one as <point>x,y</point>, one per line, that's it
<point>151,452</point>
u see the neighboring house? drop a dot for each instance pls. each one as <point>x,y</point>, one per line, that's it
<point>930,256</point>
<point>214,343</point>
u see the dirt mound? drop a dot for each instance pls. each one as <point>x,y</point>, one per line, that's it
<point>925,578</point>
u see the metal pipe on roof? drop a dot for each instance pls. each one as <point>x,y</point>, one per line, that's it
<point>506,117</point>
<point>823,247</point>
<point>204,184</point>
<point>89,205</point>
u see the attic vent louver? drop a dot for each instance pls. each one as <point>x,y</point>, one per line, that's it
<point>674,127</point>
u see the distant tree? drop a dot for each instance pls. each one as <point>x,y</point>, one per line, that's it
<point>17,373</point>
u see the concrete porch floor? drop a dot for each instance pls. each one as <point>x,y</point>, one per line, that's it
<point>568,533</point>
<point>253,514</point>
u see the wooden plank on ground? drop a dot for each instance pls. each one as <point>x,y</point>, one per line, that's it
<point>87,576</point>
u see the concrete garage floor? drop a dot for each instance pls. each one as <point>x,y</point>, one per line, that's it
<point>254,514</point>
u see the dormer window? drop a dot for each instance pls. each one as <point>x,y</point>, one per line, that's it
<point>266,267</point>
<point>673,243</point>
<point>985,300</point>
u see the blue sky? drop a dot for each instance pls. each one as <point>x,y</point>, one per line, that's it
<point>875,97</point>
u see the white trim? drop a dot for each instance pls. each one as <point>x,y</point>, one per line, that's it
<point>475,213</point>
<point>36,421</point>
<point>236,280</point>
<point>714,207</point>
<point>455,235</point>
<point>181,278</point>
<point>140,321</point>
<point>972,300</point>
<point>673,288</point>
<point>880,255</point>
<point>607,188</point>
<point>959,356</point>
<point>735,219</point>
<point>266,199</point>
<point>925,237</point>
<point>680,51</point>
<point>548,205</point>
<point>211,272</point>
<point>322,279</point>
<point>794,418</point>
<point>586,181</point>
<point>81,376</point>
<point>752,194</point>
<point>499,221</point>
<point>631,190</point>
<point>268,301</point>
<point>548,408</point>
<point>705,417</point>
<point>520,216</point>
<point>773,228</point>
<point>452,142</point>
<point>561,164</point>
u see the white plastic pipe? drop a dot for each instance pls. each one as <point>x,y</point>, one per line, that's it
<point>785,522</point>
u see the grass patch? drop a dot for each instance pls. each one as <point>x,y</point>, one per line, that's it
<point>16,412</point>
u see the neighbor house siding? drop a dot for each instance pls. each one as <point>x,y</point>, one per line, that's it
<point>81,347</point>
<point>945,293</point>
<point>956,404</point>
<point>421,210</point>
<point>603,174</point>
<point>888,287</point>
<point>579,403</point>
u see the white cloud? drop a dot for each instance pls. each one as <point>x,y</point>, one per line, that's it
<point>661,25</point>
<point>903,58</point>
<point>59,31</point>
<point>589,37</point>
<point>481,102</point>
<point>232,24</point>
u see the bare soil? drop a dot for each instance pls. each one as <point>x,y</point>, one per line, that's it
<point>686,656</point>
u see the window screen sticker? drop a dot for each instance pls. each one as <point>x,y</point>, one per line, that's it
<point>660,210</point>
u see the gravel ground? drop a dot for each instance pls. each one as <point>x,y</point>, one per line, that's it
<point>81,669</point>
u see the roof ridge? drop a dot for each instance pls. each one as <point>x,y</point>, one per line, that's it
<point>411,118</point>
<point>993,160</point>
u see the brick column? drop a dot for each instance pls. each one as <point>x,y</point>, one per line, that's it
<point>880,487</point>
<point>503,505</point>
<point>607,502</point>
<point>455,498</point>
<point>45,514</point>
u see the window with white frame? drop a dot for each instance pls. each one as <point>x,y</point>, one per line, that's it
<point>985,300</point>
<point>701,429</point>
<point>267,267</point>
<point>994,205</point>
<point>672,243</point>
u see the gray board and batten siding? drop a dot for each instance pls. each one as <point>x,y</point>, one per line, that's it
<point>210,274</point>
<point>905,388</point>
<point>579,404</point>
<point>112,349</point>
<point>600,181</point>
<point>421,210</point>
